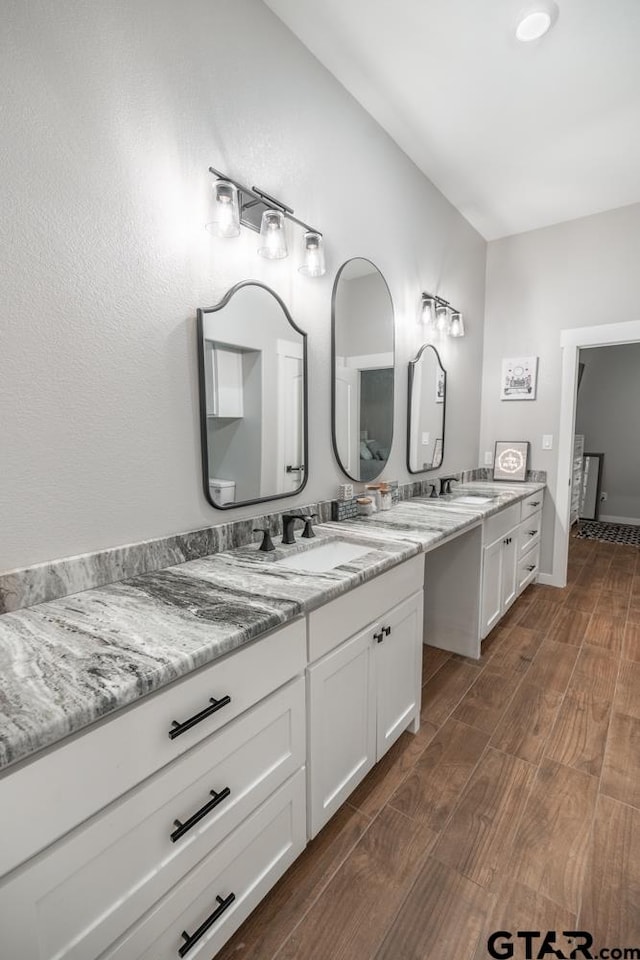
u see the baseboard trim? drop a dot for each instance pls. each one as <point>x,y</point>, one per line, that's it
<point>548,580</point>
<point>629,521</point>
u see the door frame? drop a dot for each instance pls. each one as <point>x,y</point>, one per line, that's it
<point>571,342</point>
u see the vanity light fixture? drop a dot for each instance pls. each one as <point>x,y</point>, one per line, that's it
<point>456,327</point>
<point>440,318</point>
<point>226,214</point>
<point>266,215</point>
<point>313,264</point>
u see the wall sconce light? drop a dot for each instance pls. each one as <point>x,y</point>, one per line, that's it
<point>226,214</point>
<point>440,318</point>
<point>456,328</point>
<point>258,211</point>
<point>273,239</point>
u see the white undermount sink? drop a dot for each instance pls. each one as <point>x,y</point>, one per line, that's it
<point>325,556</point>
<point>473,498</point>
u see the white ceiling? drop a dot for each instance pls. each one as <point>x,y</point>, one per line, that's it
<point>516,136</point>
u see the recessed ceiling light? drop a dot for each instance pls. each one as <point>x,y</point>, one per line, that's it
<point>535,21</point>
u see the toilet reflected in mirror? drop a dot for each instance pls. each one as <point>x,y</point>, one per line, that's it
<point>426,413</point>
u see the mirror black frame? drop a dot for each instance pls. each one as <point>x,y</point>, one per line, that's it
<point>333,367</point>
<point>412,368</point>
<point>203,397</point>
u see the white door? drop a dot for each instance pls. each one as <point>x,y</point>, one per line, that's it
<point>491,585</point>
<point>291,468</point>
<point>398,654</point>
<point>509,575</point>
<point>347,418</point>
<point>342,732</point>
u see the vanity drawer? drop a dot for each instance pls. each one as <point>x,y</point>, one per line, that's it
<point>500,523</point>
<point>244,867</point>
<point>68,784</point>
<point>77,898</point>
<point>528,568</point>
<point>529,533</point>
<point>531,504</point>
<point>338,620</point>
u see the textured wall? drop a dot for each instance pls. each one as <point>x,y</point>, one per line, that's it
<point>114,110</point>
<point>577,274</point>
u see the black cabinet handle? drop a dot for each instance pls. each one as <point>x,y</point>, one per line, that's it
<point>532,533</point>
<point>535,503</point>
<point>379,636</point>
<point>190,940</point>
<point>178,728</point>
<point>386,631</point>
<point>182,828</point>
<point>531,567</point>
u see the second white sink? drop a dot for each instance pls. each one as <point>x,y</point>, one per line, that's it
<point>324,557</point>
<point>474,499</point>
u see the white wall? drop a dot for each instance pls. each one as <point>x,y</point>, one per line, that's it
<point>577,274</point>
<point>114,111</point>
<point>607,414</point>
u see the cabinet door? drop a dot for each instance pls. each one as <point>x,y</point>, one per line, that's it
<point>491,585</point>
<point>509,572</point>
<point>398,650</point>
<point>342,732</point>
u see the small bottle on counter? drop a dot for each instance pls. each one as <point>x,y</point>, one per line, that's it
<point>386,499</point>
<point>365,506</point>
<point>373,490</point>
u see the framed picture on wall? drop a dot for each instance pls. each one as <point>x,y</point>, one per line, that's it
<point>510,460</point>
<point>519,378</point>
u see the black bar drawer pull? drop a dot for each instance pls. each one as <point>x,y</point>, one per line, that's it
<point>379,636</point>
<point>531,567</point>
<point>182,828</point>
<point>532,533</point>
<point>534,503</point>
<point>386,631</point>
<point>190,940</point>
<point>178,728</point>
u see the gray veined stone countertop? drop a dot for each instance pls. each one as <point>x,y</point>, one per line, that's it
<point>68,662</point>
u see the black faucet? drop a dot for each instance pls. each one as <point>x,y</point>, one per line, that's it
<point>267,543</point>
<point>445,484</point>
<point>308,533</point>
<point>288,523</point>
<point>434,492</point>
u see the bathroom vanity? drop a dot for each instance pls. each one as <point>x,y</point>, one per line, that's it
<point>240,699</point>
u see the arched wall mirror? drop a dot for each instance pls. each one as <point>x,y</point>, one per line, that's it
<point>253,398</point>
<point>362,340</point>
<point>426,414</point>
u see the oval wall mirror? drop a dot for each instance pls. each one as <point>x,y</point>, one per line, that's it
<point>253,398</point>
<point>426,414</point>
<point>362,342</point>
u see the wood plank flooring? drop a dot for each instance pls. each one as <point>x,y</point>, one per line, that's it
<point>516,807</point>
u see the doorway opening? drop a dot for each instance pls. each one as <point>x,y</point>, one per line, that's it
<point>571,342</point>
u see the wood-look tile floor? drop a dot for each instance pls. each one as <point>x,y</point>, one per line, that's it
<point>516,807</point>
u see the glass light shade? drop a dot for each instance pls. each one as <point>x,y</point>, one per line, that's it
<point>226,213</point>
<point>273,239</point>
<point>428,315</point>
<point>456,328</point>
<point>313,265</point>
<point>442,319</point>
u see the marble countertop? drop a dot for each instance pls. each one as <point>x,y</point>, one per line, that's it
<point>68,662</point>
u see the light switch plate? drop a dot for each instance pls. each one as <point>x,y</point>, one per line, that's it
<point>547,441</point>
<point>488,458</point>
<point>426,438</point>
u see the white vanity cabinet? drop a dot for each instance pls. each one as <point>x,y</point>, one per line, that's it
<point>193,846</point>
<point>510,557</point>
<point>363,684</point>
